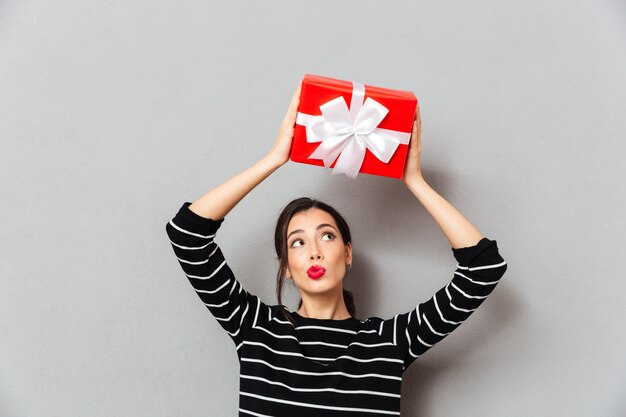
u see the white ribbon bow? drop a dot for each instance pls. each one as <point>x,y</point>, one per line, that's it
<point>348,133</point>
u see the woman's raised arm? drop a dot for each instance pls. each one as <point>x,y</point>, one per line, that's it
<point>459,231</point>
<point>192,235</point>
<point>480,267</point>
<point>219,201</point>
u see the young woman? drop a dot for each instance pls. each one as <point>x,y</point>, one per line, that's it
<point>321,360</point>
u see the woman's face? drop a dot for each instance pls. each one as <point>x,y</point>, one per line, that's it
<point>314,239</point>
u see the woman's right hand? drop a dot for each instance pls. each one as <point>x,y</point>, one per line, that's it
<point>282,145</point>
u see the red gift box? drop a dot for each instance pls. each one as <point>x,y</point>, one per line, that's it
<point>352,127</point>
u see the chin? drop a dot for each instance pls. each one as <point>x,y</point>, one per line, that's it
<point>323,282</point>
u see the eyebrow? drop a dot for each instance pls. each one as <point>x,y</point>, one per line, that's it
<point>317,228</point>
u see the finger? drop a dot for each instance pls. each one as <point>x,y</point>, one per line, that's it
<point>293,106</point>
<point>414,136</point>
<point>296,94</point>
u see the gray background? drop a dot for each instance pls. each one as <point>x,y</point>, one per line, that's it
<point>112,114</point>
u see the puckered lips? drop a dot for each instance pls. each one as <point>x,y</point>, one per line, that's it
<point>316,271</point>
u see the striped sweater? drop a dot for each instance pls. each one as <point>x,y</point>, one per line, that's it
<point>324,367</point>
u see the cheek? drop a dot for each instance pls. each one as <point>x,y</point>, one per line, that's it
<point>339,251</point>
<point>295,258</point>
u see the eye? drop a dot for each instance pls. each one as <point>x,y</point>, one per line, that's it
<point>296,243</point>
<point>329,234</point>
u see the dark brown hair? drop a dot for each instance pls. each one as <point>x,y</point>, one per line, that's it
<point>280,242</point>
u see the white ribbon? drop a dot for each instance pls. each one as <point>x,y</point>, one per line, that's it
<point>348,133</point>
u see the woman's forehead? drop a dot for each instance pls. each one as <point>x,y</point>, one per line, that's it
<point>310,219</point>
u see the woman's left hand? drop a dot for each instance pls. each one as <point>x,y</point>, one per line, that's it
<point>412,170</point>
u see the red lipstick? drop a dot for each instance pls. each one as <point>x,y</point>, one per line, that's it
<point>316,271</point>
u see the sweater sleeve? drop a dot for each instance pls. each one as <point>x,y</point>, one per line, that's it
<point>193,240</point>
<point>478,271</point>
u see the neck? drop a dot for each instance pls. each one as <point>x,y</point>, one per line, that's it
<point>332,312</point>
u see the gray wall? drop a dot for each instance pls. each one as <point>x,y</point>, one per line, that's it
<point>112,114</point>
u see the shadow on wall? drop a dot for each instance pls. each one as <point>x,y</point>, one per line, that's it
<point>421,379</point>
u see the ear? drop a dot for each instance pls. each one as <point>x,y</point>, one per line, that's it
<point>349,253</point>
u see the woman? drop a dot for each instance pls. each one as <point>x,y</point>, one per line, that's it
<point>321,360</point>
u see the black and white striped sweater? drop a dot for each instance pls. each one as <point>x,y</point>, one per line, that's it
<point>329,367</point>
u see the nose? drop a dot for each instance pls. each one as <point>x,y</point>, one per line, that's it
<point>315,254</point>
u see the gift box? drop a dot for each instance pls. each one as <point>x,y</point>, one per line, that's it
<point>352,127</point>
